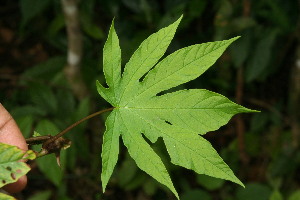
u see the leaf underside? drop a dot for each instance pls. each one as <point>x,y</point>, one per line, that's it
<point>179,117</point>
<point>10,167</point>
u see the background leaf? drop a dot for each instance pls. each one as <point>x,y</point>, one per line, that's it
<point>6,197</point>
<point>260,59</point>
<point>196,195</point>
<point>31,8</point>
<point>254,191</point>
<point>45,195</point>
<point>210,183</point>
<point>276,195</point>
<point>295,195</point>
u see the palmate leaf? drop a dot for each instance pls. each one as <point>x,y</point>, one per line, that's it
<point>178,117</point>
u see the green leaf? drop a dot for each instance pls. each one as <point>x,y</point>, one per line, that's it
<point>209,183</point>
<point>44,97</point>
<point>178,117</point>
<point>254,191</point>
<point>45,70</point>
<point>31,8</point>
<point>10,167</point>
<point>196,195</point>
<point>150,187</point>
<point>36,134</point>
<point>6,197</point>
<point>180,67</point>
<point>41,195</point>
<point>144,156</point>
<point>295,195</point>
<point>126,172</point>
<point>111,64</point>
<point>56,24</point>
<point>90,28</point>
<point>241,50</point>
<point>276,195</point>
<point>110,148</point>
<point>261,57</point>
<point>25,124</point>
<point>143,59</point>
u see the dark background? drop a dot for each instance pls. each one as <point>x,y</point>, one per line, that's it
<point>260,71</point>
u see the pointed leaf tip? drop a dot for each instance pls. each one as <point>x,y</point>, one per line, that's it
<point>144,58</point>
<point>112,59</point>
<point>140,111</point>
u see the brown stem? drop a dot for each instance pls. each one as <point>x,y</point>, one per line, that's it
<point>246,8</point>
<point>75,124</point>
<point>37,139</point>
<point>240,124</point>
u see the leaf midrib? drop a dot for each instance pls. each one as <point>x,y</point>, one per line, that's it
<point>142,108</point>
<point>130,80</point>
<point>165,134</point>
<point>144,89</point>
<point>129,133</point>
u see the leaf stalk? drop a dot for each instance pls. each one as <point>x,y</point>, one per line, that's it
<point>53,144</point>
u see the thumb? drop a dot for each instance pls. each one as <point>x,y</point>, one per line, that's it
<point>11,134</point>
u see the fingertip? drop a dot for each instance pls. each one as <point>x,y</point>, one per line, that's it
<point>17,186</point>
<point>11,134</point>
<point>9,130</point>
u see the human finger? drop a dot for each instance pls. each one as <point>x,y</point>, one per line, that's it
<point>11,134</point>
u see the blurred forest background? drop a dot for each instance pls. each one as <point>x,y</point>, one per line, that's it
<point>46,93</point>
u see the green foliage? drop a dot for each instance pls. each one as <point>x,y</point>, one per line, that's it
<point>31,8</point>
<point>36,134</point>
<point>254,191</point>
<point>45,195</point>
<point>196,195</point>
<point>177,117</point>
<point>261,58</point>
<point>209,183</point>
<point>45,71</point>
<point>42,39</point>
<point>49,110</point>
<point>276,195</point>
<point>295,195</point>
<point>10,167</point>
<point>25,124</point>
<point>6,197</point>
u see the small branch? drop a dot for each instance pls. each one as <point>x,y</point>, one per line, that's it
<point>37,140</point>
<point>53,144</point>
<point>240,125</point>
<point>75,124</point>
